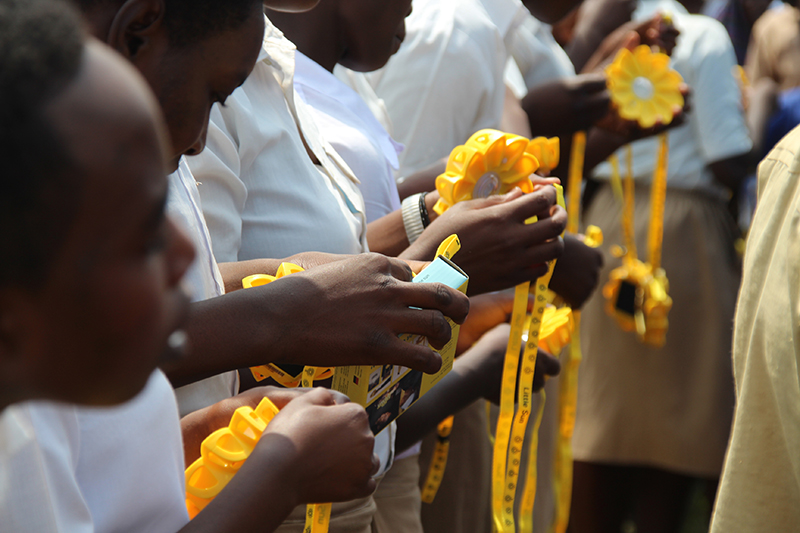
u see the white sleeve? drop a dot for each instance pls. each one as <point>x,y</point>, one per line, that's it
<point>218,173</point>
<point>38,455</point>
<point>438,97</point>
<point>716,98</point>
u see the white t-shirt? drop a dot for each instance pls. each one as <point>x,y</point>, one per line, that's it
<point>94,470</point>
<point>445,82</point>
<point>715,128</point>
<point>262,195</point>
<point>347,122</point>
<point>537,54</point>
<point>202,281</point>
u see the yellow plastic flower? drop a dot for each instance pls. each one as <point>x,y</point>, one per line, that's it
<point>637,297</point>
<point>490,162</point>
<point>643,86</point>
<point>547,152</point>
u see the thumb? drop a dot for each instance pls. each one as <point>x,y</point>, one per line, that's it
<point>631,41</point>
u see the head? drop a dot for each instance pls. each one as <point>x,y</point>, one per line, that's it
<point>551,11</point>
<point>193,53</point>
<point>372,31</point>
<point>89,284</point>
<point>360,34</point>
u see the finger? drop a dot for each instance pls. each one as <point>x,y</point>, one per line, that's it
<point>414,356</point>
<point>542,253</point>
<point>592,83</point>
<point>428,323</point>
<point>438,297</point>
<point>398,269</point>
<point>317,396</point>
<point>545,229</point>
<point>280,396</point>
<point>532,204</point>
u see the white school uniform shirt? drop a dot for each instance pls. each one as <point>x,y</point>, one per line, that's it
<point>262,196</point>
<point>715,128</point>
<point>201,281</point>
<point>94,470</point>
<point>538,56</point>
<point>348,123</point>
<point>445,82</point>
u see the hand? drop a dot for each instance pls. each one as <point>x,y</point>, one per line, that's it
<point>653,32</point>
<point>498,250</point>
<point>485,312</point>
<point>487,356</point>
<point>577,272</point>
<point>562,107</point>
<point>352,311</point>
<point>325,448</point>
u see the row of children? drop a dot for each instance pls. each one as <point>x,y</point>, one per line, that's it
<point>297,163</point>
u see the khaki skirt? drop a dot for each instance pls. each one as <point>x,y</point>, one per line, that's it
<point>667,407</point>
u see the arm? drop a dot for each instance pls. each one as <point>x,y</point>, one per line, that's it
<point>475,375</point>
<point>234,273</point>
<point>387,235</point>
<point>348,312</point>
<point>315,450</point>
<point>596,20</point>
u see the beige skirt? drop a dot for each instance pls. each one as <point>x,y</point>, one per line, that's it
<point>667,407</point>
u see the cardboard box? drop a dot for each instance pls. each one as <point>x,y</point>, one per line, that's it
<point>386,391</point>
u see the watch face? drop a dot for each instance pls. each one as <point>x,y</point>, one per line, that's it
<point>626,298</point>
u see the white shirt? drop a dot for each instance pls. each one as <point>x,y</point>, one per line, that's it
<point>202,281</point>
<point>715,128</point>
<point>537,54</point>
<point>94,470</point>
<point>347,122</point>
<point>445,82</point>
<point>262,195</point>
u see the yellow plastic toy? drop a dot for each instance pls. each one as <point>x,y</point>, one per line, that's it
<point>491,162</point>
<point>547,152</point>
<point>223,452</point>
<point>643,87</point>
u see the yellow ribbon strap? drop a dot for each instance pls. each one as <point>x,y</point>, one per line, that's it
<point>438,461</point>
<point>529,490</point>
<point>575,178</point>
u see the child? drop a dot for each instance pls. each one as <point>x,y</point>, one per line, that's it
<point>98,301</point>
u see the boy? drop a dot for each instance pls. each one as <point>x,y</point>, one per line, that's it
<point>101,286</point>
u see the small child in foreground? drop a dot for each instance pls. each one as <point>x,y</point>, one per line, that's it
<point>90,301</point>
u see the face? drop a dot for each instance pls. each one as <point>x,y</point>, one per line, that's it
<point>374,31</point>
<point>102,317</point>
<point>188,80</point>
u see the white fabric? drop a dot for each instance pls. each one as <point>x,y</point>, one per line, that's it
<point>202,281</point>
<point>262,195</point>
<point>347,122</point>
<point>506,15</point>
<point>537,54</point>
<point>94,470</point>
<point>445,82</point>
<point>715,128</point>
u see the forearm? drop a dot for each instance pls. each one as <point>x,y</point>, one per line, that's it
<point>387,235</point>
<point>454,392</point>
<point>234,273</point>
<point>421,181</point>
<point>237,330</point>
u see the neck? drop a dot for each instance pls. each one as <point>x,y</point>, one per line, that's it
<point>315,33</point>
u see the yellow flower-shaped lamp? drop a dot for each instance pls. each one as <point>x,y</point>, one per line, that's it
<point>490,162</point>
<point>223,452</point>
<point>262,372</point>
<point>556,331</point>
<point>638,298</point>
<point>643,87</point>
<point>547,152</point>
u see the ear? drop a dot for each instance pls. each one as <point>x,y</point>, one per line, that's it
<point>135,25</point>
